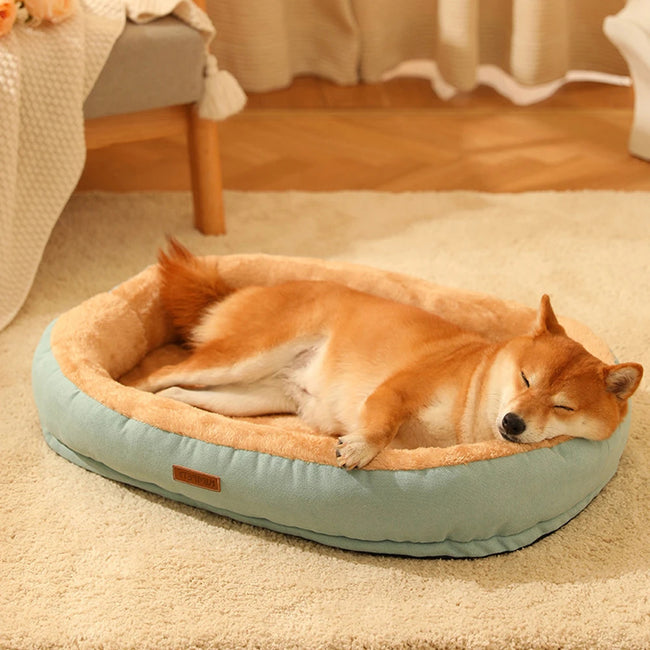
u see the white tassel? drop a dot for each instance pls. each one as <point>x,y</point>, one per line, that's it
<point>222,94</point>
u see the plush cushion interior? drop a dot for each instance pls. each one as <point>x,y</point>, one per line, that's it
<point>126,331</point>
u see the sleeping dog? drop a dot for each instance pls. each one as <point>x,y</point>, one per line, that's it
<point>375,372</point>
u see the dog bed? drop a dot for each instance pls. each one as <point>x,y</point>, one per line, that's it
<point>467,500</point>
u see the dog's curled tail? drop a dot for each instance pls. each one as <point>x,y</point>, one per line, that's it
<point>189,285</point>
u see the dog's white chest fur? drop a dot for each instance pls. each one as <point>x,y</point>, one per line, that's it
<point>433,425</point>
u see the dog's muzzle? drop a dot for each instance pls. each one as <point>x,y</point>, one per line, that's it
<point>512,426</point>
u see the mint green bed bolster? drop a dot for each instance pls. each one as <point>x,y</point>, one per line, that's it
<point>472,510</point>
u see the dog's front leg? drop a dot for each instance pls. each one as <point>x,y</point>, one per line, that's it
<point>382,414</point>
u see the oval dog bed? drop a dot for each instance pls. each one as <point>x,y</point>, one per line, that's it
<point>467,500</point>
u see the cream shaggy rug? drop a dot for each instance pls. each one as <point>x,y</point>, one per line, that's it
<point>88,563</point>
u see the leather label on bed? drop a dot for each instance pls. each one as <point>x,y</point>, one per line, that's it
<point>199,479</point>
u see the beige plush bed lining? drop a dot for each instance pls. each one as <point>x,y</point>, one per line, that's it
<point>125,331</point>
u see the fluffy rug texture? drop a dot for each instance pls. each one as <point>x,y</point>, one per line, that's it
<point>88,563</point>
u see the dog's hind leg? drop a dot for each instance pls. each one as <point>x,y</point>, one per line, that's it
<point>187,373</point>
<point>226,362</point>
<point>248,400</point>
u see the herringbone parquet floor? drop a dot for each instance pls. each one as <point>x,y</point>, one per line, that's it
<point>398,136</point>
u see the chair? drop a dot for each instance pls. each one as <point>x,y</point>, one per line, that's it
<point>148,89</point>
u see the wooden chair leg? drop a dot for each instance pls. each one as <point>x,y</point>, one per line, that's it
<point>205,167</point>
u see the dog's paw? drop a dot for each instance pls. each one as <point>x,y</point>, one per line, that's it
<point>353,450</point>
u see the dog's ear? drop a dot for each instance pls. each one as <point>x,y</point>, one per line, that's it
<point>623,379</point>
<point>546,321</point>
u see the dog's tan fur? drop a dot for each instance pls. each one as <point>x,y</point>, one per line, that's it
<point>376,372</point>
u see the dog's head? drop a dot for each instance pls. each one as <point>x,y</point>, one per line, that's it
<point>554,387</point>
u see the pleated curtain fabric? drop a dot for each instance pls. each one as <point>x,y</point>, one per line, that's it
<point>266,43</point>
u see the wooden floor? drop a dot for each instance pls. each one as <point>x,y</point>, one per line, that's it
<point>398,136</point>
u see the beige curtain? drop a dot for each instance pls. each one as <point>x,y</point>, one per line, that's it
<point>459,43</point>
<point>266,43</point>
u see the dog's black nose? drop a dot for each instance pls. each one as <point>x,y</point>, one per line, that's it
<point>513,425</point>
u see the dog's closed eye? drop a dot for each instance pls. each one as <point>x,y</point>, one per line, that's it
<point>523,376</point>
<point>563,407</point>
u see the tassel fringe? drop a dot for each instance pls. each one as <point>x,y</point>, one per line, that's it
<point>222,95</point>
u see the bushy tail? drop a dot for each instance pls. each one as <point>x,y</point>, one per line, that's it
<point>189,285</point>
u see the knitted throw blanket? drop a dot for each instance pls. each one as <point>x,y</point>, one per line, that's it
<point>46,73</point>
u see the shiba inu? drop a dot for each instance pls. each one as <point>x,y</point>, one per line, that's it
<point>374,372</point>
